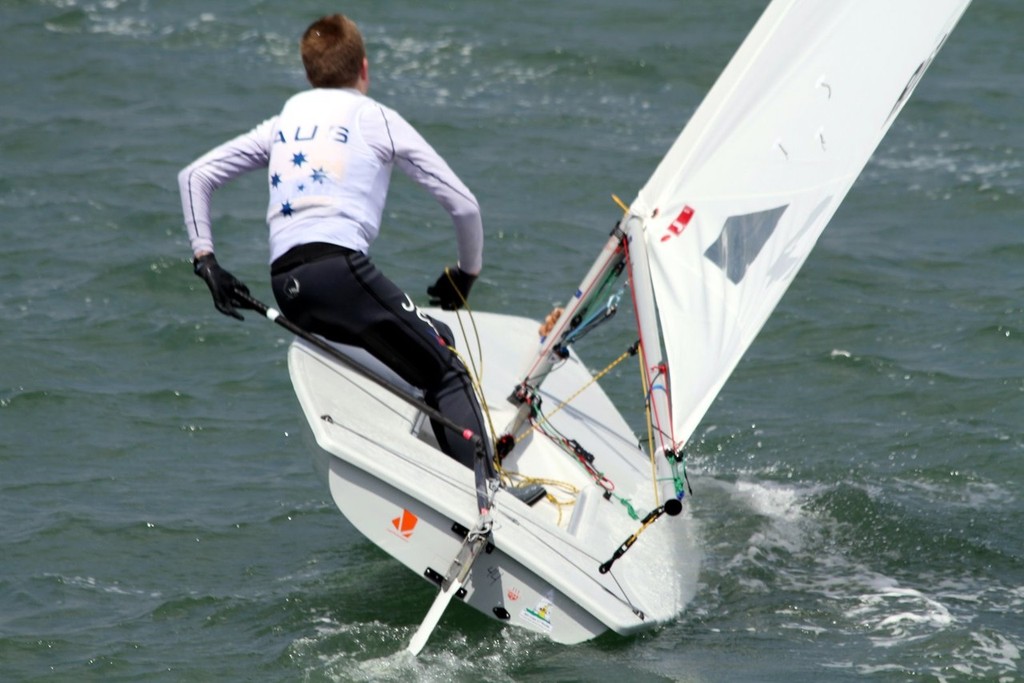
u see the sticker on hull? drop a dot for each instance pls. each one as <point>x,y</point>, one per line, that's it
<point>404,524</point>
<point>539,615</point>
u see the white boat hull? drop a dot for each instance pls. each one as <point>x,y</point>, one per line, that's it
<point>387,476</point>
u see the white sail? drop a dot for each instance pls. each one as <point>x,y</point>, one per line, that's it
<point>737,204</point>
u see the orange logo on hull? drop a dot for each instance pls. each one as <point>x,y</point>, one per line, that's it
<point>405,524</point>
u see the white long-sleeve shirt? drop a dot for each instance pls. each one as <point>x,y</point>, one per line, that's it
<point>329,155</point>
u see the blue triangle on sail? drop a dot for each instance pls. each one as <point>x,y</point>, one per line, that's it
<point>741,241</point>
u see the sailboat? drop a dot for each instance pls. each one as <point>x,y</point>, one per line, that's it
<point>705,251</point>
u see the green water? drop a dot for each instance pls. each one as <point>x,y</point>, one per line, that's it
<point>857,483</point>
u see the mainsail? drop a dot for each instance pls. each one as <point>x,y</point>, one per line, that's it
<point>737,204</point>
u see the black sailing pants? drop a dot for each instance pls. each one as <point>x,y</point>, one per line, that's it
<point>341,295</point>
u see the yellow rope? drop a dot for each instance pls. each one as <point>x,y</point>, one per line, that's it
<point>643,528</point>
<point>595,378</point>
<point>568,488</point>
<point>650,424</point>
<point>478,389</point>
<point>462,327</point>
<point>476,378</point>
<point>645,379</point>
<point>475,375</point>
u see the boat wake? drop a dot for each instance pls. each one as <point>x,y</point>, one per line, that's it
<point>828,564</point>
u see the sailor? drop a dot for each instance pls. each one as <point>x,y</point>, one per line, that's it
<point>329,156</point>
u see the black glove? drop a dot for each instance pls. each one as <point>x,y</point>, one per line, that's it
<point>451,289</point>
<point>223,285</point>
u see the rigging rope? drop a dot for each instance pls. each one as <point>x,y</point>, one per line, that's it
<point>541,423</point>
<point>546,419</point>
<point>585,460</point>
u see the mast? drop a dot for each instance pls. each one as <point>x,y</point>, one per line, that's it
<point>625,247</point>
<point>655,368</point>
<point>554,346</point>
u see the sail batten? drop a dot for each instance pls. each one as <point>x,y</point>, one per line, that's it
<point>735,207</point>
